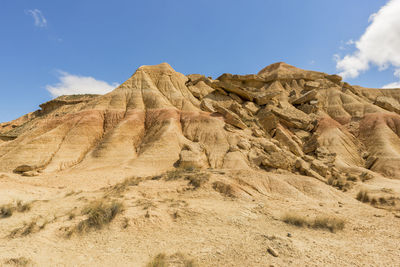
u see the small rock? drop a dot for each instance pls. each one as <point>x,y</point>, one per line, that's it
<point>311,85</point>
<point>30,173</point>
<point>289,235</point>
<point>272,252</point>
<point>250,106</point>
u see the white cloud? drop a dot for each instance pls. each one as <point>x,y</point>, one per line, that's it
<point>74,84</point>
<point>379,45</point>
<point>39,19</point>
<point>391,85</point>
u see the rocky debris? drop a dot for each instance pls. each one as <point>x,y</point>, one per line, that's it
<point>207,105</point>
<point>278,160</point>
<point>236,98</point>
<point>232,88</point>
<point>230,117</point>
<point>251,107</point>
<point>192,156</point>
<point>308,108</point>
<point>311,144</point>
<point>311,86</point>
<point>307,97</point>
<point>286,140</point>
<point>24,168</point>
<point>334,78</point>
<point>320,167</point>
<point>265,96</point>
<point>200,90</point>
<point>304,168</point>
<point>293,118</point>
<point>267,120</point>
<point>244,144</point>
<point>388,103</point>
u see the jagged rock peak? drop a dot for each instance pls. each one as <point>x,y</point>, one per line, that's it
<point>277,66</point>
<point>283,71</point>
<point>160,68</point>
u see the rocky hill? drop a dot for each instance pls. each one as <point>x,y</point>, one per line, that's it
<point>281,119</point>
<point>286,167</point>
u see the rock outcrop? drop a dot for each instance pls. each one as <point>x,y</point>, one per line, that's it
<point>282,118</point>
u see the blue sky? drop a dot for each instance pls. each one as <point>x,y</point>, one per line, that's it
<point>54,46</point>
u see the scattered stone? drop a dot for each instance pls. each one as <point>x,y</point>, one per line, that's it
<point>236,98</point>
<point>250,106</point>
<point>230,117</point>
<point>311,85</point>
<point>272,252</point>
<point>310,95</point>
<point>24,168</point>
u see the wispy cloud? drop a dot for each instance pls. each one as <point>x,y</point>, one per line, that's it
<point>74,84</point>
<point>379,45</point>
<point>39,19</point>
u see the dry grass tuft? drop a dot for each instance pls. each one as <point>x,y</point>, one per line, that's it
<point>363,196</point>
<point>159,261</point>
<point>23,207</point>
<point>295,219</point>
<point>332,224</point>
<point>122,187</point>
<point>198,180</point>
<point>224,189</point>
<point>8,210</point>
<point>21,261</point>
<point>340,183</point>
<point>177,259</point>
<point>28,228</point>
<point>99,214</point>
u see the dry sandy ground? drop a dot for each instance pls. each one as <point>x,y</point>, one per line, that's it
<point>231,227</point>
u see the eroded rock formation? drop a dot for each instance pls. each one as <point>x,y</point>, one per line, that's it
<point>281,119</point>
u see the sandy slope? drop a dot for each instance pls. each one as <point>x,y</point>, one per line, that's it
<point>213,229</point>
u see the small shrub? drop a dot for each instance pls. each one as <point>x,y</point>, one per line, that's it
<point>174,174</point>
<point>6,211</point>
<point>23,207</point>
<point>295,219</point>
<point>21,261</point>
<point>28,228</point>
<point>339,183</point>
<point>177,259</point>
<point>382,200</point>
<point>363,196</point>
<point>159,261</point>
<point>123,186</point>
<point>98,214</point>
<point>198,180</point>
<point>331,223</point>
<point>71,216</point>
<point>225,189</point>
